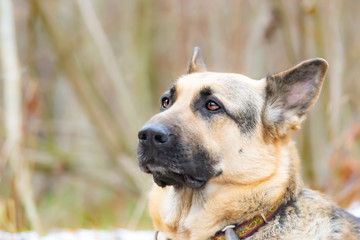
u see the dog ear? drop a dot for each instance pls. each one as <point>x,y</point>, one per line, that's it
<point>196,63</point>
<point>291,94</point>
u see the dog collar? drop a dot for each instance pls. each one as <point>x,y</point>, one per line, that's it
<point>246,229</point>
<point>243,230</point>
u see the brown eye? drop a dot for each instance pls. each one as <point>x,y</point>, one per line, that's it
<point>165,102</point>
<point>212,106</point>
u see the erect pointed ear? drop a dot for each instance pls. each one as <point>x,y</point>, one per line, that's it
<point>196,63</point>
<point>291,94</point>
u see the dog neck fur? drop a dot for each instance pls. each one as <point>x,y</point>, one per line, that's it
<point>181,214</point>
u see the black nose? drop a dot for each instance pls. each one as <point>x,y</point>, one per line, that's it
<point>155,134</point>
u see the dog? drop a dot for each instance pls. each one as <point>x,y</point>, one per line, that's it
<point>224,165</point>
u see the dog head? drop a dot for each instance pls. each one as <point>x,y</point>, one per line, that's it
<point>217,126</point>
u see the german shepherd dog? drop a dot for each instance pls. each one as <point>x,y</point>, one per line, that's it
<point>223,162</point>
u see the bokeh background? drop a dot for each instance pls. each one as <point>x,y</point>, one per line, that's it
<point>91,73</point>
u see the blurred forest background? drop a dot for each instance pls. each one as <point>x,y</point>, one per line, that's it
<point>90,73</point>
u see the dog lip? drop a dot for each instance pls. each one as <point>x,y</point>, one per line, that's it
<point>167,179</point>
<point>159,182</point>
<point>193,182</point>
<point>171,178</point>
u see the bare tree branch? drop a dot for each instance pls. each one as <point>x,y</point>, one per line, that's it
<point>13,115</point>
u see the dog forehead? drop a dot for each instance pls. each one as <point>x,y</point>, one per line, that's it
<point>230,84</point>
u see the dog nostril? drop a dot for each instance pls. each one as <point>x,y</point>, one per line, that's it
<point>154,135</point>
<point>161,138</point>
<point>142,136</point>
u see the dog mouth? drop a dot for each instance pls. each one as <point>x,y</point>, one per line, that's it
<point>193,182</point>
<point>178,180</point>
<point>165,177</point>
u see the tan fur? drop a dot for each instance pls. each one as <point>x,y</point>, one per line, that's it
<point>253,179</point>
<point>223,205</point>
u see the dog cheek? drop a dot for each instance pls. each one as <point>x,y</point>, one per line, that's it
<point>197,151</point>
<point>226,136</point>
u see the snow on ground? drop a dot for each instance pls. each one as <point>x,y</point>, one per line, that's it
<point>118,234</point>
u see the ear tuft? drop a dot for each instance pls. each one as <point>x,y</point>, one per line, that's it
<point>291,94</point>
<point>196,63</point>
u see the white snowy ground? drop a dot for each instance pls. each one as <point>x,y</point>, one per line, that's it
<point>82,234</point>
<point>118,234</point>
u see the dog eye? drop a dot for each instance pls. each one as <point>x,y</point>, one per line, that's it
<point>165,102</point>
<point>212,106</point>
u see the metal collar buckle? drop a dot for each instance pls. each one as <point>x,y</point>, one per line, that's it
<point>159,236</point>
<point>156,235</point>
<point>230,233</point>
